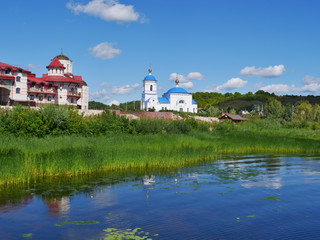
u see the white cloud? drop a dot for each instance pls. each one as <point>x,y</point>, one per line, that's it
<point>185,81</point>
<point>310,79</point>
<point>257,86</point>
<point>194,76</point>
<point>101,95</point>
<point>278,88</point>
<point>105,50</point>
<point>33,67</point>
<point>114,102</point>
<point>283,88</point>
<point>188,85</point>
<point>269,72</point>
<point>313,87</point>
<point>231,84</point>
<point>122,90</point>
<point>108,10</point>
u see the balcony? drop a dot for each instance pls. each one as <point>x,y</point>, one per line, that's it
<point>42,90</point>
<point>74,94</point>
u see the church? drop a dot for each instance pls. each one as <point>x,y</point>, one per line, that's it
<point>176,98</point>
<point>58,86</point>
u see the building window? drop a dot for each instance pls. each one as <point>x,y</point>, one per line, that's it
<point>31,97</point>
<point>181,101</point>
<point>187,109</point>
<point>40,98</point>
<point>18,79</point>
<point>72,90</point>
<point>151,87</point>
<point>7,71</point>
<point>50,86</point>
<point>71,100</point>
<point>181,109</point>
<point>49,98</point>
<point>17,90</point>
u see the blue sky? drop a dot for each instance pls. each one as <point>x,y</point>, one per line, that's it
<point>213,45</point>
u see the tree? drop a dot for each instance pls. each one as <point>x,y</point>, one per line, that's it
<point>274,108</point>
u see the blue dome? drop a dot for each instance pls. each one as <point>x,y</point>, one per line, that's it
<point>177,90</point>
<point>150,78</point>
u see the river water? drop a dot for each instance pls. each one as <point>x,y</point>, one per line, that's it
<point>236,197</point>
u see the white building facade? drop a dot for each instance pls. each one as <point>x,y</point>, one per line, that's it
<point>58,86</point>
<point>176,99</point>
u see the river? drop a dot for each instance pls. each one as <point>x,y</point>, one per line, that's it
<point>236,197</point>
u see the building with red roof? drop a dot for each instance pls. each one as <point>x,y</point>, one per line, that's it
<point>58,86</point>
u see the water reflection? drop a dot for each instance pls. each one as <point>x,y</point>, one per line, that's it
<point>190,197</point>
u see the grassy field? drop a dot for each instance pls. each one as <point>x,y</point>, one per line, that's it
<point>21,158</point>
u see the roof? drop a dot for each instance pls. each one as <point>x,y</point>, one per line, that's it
<point>194,102</point>
<point>4,66</point>
<point>75,79</point>
<point>6,77</point>
<point>163,100</point>
<point>55,63</point>
<point>232,117</point>
<point>150,78</point>
<point>177,90</point>
<point>62,57</point>
<point>38,81</point>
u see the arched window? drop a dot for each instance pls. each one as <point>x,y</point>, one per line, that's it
<point>18,79</point>
<point>17,90</point>
<point>181,101</point>
<point>151,87</point>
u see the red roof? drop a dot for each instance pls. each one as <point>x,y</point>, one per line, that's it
<point>6,77</point>
<point>4,66</point>
<point>55,63</point>
<point>75,79</point>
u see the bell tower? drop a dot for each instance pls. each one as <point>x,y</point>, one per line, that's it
<point>149,90</point>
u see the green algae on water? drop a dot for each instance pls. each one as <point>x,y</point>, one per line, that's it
<point>118,234</point>
<point>27,235</point>
<point>272,198</point>
<point>67,221</point>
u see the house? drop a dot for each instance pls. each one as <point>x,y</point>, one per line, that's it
<point>58,86</point>
<point>232,117</point>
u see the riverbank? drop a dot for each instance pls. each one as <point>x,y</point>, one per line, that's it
<point>23,158</point>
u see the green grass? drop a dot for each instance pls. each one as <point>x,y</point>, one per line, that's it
<point>22,159</point>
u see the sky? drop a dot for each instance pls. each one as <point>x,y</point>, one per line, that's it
<point>213,45</point>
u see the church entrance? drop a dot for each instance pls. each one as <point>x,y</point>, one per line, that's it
<point>4,96</point>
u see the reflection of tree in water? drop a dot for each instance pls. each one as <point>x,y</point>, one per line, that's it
<point>55,192</point>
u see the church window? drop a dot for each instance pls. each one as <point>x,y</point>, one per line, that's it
<point>181,101</point>
<point>18,79</point>
<point>17,90</point>
<point>187,109</point>
<point>181,109</point>
<point>151,87</point>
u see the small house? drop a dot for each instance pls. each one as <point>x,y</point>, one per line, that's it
<point>232,117</point>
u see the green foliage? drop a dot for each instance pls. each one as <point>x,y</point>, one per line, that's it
<point>274,108</point>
